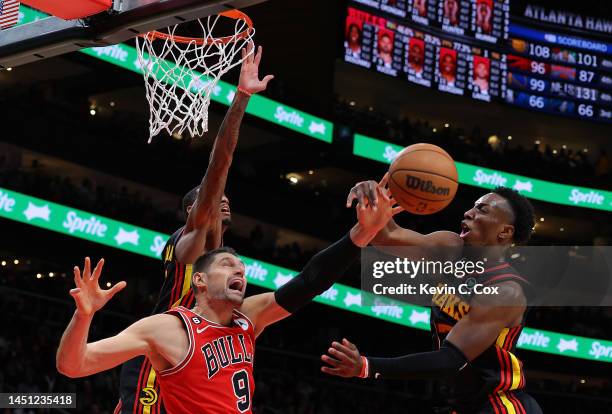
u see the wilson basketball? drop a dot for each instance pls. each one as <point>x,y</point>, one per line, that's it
<point>423,179</point>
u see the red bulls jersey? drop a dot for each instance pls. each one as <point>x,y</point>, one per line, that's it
<point>216,376</point>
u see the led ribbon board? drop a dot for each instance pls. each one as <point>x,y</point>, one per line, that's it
<point>99,229</point>
<point>126,57</point>
<point>382,151</point>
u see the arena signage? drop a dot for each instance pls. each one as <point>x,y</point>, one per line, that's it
<point>567,19</point>
<point>125,56</point>
<point>99,229</point>
<point>382,151</point>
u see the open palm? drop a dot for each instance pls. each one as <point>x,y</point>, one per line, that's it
<point>249,72</point>
<point>88,296</point>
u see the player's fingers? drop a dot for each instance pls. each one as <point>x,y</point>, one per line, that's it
<point>383,194</point>
<point>397,209</point>
<point>267,79</point>
<point>360,196</point>
<point>372,194</point>
<point>340,356</point>
<point>98,270</point>
<point>329,360</point>
<point>331,371</point>
<point>77,276</point>
<point>74,292</point>
<point>355,194</point>
<point>345,350</point>
<point>383,181</point>
<point>350,198</point>
<point>258,55</point>
<point>349,344</point>
<point>117,288</point>
<point>86,269</point>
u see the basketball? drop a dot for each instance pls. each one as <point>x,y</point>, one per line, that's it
<point>423,179</point>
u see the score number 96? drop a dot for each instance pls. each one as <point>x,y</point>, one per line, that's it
<point>540,68</point>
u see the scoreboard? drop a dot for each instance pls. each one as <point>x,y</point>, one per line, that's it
<point>486,20</point>
<point>559,73</point>
<point>472,48</point>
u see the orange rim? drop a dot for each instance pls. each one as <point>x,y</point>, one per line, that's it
<point>232,14</point>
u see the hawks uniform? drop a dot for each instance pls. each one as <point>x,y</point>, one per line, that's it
<point>494,382</point>
<point>139,386</point>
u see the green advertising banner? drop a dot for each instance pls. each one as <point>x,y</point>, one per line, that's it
<point>382,151</point>
<point>77,223</point>
<point>126,57</point>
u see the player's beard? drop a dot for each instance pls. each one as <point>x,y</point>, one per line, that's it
<point>226,222</point>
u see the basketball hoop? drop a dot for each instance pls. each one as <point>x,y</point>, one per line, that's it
<point>181,72</point>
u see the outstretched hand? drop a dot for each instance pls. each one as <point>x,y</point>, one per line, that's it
<point>344,360</point>
<point>375,215</point>
<point>88,296</point>
<point>249,73</point>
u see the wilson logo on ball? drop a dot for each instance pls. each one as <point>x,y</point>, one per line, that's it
<point>425,186</point>
<point>423,179</point>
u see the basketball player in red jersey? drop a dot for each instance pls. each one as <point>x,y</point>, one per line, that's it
<point>208,216</point>
<point>474,336</point>
<point>204,355</point>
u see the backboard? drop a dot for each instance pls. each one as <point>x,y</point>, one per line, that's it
<point>123,19</point>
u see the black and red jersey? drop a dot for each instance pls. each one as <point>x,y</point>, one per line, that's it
<point>176,289</point>
<point>495,373</point>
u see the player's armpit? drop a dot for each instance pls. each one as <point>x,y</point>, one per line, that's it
<point>480,327</point>
<point>192,245</point>
<point>263,310</point>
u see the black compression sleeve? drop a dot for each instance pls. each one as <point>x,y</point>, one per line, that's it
<point>318,275</point>
<point>446,361</point>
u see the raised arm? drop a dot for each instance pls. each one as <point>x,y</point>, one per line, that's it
<point>394,235</point>
<point>469,338</point>
<point>324,268</point>
<point>76,358</point>
<point>203,221</point>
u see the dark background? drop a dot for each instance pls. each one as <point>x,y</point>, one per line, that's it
<point>52,148</point>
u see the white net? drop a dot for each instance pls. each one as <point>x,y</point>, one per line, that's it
<point>182,73</point>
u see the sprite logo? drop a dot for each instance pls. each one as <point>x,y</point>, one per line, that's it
<point>256,271</point>
<point>92,225</point>
<point>425,186</point>
<point>535,339</point>
<point>592,197</point>
<point>114,52</point>
<point>6,203</point>
<point>494,179</point>
<point>598,350</point>
<point>292,118</point>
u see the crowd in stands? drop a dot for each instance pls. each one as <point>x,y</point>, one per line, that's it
<point>477,147</point>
